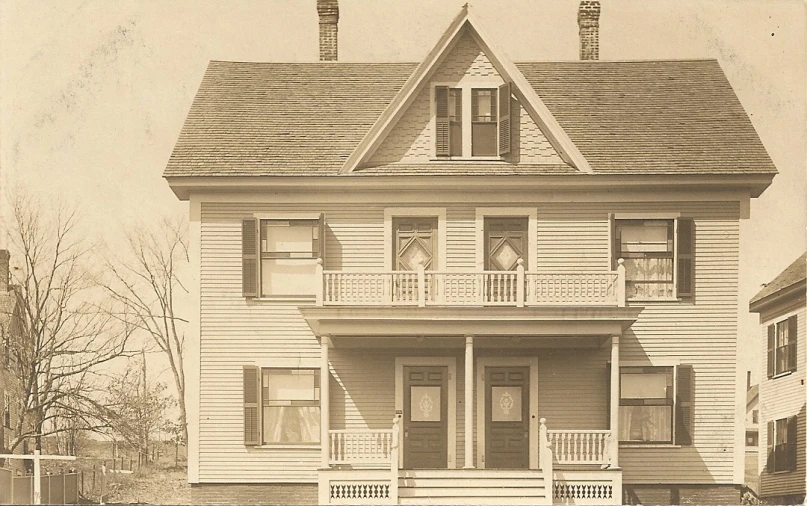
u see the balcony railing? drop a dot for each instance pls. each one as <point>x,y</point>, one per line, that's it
<point>360,447</point>
<point>517,288</point>
<point>579,446</point>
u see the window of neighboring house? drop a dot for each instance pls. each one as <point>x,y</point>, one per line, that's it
<point>6,410</point>
<point>656,264</point>
<point>751,438</point>
<point>486,128</point>
<point>755,416</point>
<point>6,349</point>
<point>782,346</point>
<point>782,444</point>
<point>652,409</point>
<point>282,406</point>
<point>280,256</point>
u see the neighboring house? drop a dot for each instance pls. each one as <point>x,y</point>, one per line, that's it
<point>10,388</point>
<point>752,436</point>
<point>781,307</point>
<point>531,267</point>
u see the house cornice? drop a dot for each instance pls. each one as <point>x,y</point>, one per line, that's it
<point>749,184</point>
<point>784,296</point>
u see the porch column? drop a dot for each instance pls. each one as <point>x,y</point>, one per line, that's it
<point>614,440</point>
<point>324,401</point>
<point>469,402</point>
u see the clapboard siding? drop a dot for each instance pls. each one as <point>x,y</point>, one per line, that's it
<point>781,398</point>
<point>571,238</point>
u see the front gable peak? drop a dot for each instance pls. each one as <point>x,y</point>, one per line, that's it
<point>465,71</point>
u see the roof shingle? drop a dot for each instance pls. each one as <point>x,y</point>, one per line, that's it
<point>652,117</point>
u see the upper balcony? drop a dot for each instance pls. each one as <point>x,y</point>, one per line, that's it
<point>517,288</point>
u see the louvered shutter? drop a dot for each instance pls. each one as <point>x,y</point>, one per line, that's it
<point>616,247</point>
<point>505,121</point>
<point>442,127</point>
<point>683,406</point>
<point>792,431</point>
<point>608,394</point>
<point>771,444</point>
<point>771,350</point>
<point>252,411</point>
<point>792,338</point>
<point>686,237</point>
<point>250,257</point>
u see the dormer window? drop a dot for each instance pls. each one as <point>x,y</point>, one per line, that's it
<point>472,121</point>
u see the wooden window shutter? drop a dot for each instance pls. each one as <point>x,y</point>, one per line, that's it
<point>505,121</point>
<point>608,394</point>
<point>252,405</point>
<point>250,256</point>
<point>771,350</point>
<point>792,338</point>
<point>617,244</point>
<point>792,431</point>
<point>686,240</point>
<point>771,444</point>
<point>683,406</point>
<point>442,127</point>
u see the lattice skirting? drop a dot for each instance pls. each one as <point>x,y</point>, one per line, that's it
<point>563,490</point>
<point>359,491</point>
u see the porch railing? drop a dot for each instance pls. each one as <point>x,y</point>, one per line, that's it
<point>516,288</point>
<point>579,446</point>
<point>361,447</point>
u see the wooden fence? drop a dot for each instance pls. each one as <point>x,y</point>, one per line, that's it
<point>55,488</point>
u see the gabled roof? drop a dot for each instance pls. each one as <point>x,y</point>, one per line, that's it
<point>466,21</point>
<point>794,274</point>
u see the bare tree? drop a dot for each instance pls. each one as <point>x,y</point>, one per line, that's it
<point>136,409</point>
<point>146,283</point>
<point>63,335</point>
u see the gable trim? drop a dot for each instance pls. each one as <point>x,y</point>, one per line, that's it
<point>509,72</point>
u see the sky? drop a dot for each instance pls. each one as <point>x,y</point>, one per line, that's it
<point>93,93</point>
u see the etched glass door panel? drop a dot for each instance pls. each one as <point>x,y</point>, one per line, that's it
<point>507,418</point>
<point>425,430</point>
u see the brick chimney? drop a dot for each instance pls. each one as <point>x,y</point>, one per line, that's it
<point>4,273</point>
<point>588,18</point>
<point>328,27</point>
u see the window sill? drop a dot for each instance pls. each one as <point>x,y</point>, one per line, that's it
<point>786,471</point>
<point>782,374</point>
<point>469,159</point>
<point>288,447</point>
<point>654,299</point>
<point>309,299</point>
<point>648,445</point>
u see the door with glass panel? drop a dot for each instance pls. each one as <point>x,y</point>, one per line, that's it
<point>505,244</point>
<point>291,409</point>
<point>414,244</point>
<point>507,430</point>
<point>425,430</point>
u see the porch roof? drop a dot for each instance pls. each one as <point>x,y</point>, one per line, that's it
<point>586,326</point>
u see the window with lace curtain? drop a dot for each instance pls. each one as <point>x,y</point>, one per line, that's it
<point>657,256</point>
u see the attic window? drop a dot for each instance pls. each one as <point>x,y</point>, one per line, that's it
<point>472,121</point>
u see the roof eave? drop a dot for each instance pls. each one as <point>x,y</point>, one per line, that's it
<point>754,184</point>
<point>793,291</point>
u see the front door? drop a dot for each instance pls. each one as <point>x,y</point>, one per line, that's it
<point>425,417</point>
<point>507,432</point>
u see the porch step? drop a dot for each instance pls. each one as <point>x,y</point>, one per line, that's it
<point>472,486</point>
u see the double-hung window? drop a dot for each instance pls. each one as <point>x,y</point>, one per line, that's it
<point>279,256</point>
<point>472,121</point>
<point>782,342</point>
<point>655,405</point>
<point>281,406</point>
<point>657,256</point>
<point>782,434</point>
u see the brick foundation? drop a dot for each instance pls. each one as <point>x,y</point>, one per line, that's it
<point>681,494</point>
<point>254,493</point>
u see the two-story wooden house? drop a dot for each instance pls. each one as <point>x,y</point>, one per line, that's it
<point>782,308</point>
<point>466,279</point>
